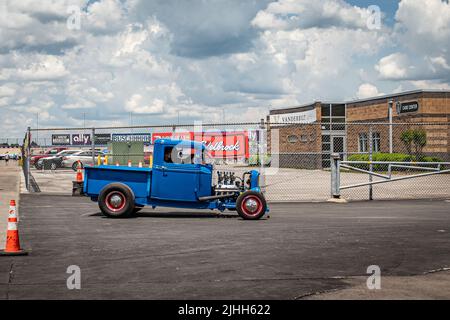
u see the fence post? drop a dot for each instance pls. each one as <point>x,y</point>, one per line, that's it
<point>391,103</point>
<point>370,162</point>
<point>93,146</point>
<point>261,157</point>
<point>335,175</point>
<point>28,153</point>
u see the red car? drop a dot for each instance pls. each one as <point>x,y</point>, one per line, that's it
<point>49,153</point>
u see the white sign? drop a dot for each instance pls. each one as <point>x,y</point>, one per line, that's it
<point>295,117</point>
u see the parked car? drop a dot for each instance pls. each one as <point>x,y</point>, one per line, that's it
<point>50,152</point>
<point>55,161</point>
<point>85,158</point>
<point>12,156</point>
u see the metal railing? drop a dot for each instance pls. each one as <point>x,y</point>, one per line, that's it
<point>338,164</point>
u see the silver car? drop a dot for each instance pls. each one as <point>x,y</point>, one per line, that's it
<point>55,161</point>
<point>85,158</point>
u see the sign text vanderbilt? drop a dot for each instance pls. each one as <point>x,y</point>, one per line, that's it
<point>295,117</point>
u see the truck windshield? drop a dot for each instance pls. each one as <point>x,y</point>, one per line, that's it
<point>188,155</point>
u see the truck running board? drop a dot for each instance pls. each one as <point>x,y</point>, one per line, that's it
<point>216,197</point>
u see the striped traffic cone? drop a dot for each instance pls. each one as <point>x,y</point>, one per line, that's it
<point>140,164</point>
<point>129,163</point>
<point>12,247</point>
<point>79,177</point>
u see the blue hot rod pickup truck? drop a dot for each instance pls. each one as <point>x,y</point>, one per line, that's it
<point>180,177</point>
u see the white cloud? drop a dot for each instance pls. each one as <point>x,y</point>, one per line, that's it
<point>47,67</point>
<point>393,66</point>
<point>193,60</point>
<point>291,14</point>
<point>422,31</point>
<point>137,104</point>
<point>430,84</point>
<point>105,16</point>
<point>79,103</point>
<point>367,90</point>
<point>6,91</point>
<point>439,62</point>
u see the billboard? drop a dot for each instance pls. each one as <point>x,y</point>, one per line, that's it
<point>182,135</point>
<point>102,138</point>
<point>81,139</point>
<point>132,137</point>
<point>60,139</point>
<point>220,144</point>
<point>226,144</point>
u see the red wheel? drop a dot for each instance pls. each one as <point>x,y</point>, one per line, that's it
<point>116,200</point>
<point>251,205</point>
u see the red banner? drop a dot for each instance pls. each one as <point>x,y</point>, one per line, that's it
<point>220,144</point>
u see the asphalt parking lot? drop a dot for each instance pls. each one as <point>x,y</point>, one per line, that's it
<point>301,249</point>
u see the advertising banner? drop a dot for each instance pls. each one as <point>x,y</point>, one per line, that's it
<point>220,144</point>
<point>132,137</point>
<point>60,139</point>
<point>226,144</point>
<point>102,138</point>
<point>81,139</point>
<point>183,135</point>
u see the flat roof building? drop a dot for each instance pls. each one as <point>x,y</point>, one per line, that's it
<point>309,133</point>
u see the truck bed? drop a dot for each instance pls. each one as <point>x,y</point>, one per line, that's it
<point>138,179</point>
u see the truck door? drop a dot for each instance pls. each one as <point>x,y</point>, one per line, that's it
<point>177,178</point>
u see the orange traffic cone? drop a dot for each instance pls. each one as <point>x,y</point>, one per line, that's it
<point>129,163</point>
<point>12,247</point>
<point>79,177</point>
<point>117,164</point>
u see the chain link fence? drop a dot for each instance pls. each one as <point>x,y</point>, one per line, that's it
<point>294,159</point>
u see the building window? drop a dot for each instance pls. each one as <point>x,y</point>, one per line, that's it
<point>292,138</point>
<point>376,142</point>
<point>362,142</point>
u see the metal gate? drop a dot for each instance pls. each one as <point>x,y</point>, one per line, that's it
<point>431,168</point>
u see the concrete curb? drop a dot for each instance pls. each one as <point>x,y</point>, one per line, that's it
<point>337,200</point>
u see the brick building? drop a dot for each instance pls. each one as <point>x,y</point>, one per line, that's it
<point>309,133</point>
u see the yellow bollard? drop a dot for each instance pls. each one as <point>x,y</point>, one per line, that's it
<point>150,161</point>
<point>105,160</point>
<point>99,160</point>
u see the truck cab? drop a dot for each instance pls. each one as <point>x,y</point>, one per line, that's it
<point>181,176</point>
<point>178,164</point>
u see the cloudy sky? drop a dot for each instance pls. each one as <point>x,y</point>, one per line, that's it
<point>162,60</point>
